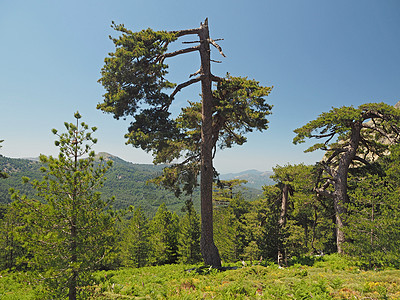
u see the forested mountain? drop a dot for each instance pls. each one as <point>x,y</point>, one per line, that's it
<point>255,179</point>
<point>125,180</point>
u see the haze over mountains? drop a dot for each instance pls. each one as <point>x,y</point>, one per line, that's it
<point>255,179</point>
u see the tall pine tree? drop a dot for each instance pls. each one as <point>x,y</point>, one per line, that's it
<point>134,77</point>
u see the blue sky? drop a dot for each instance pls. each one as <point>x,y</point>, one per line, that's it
<point>317,55</point>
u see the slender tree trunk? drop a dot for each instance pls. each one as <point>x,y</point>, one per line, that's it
<point>372,234</point>
<point>285,195</point>
<point>314,226</point>
<point>208,249</point>
<point>282,223</point>
<point>74,275</point>
<point>74,257</point>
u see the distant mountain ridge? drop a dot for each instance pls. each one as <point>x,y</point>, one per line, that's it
<point>126,181</point>
<point>255,179</point>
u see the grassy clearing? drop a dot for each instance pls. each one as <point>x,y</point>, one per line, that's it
<point>330,277</point>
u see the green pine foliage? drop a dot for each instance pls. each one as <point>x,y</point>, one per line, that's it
<point>189,235</point>
<point>370,222</point>
<point>135,243</point>
<point>351,137</point>
<point>374,220</point>
<point>12,250</point>
<point>69,234</point>
<point>262,226</point>
<point>225,232</point>
<point>229,222</point>
<point>163,230</point>
<point>135,79</point>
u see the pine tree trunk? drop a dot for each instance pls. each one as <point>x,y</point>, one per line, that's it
<point>74,257</point>
<point>208,249</point>
<point>282,223</point>
<point>74,276</point>
<point>341,198</point>
<point>340,211</point>
<point>285,195</point>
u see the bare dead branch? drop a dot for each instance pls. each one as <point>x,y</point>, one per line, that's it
<point>328,181</point>
<point>175,53</point>
<point>216,61</point>
<point>212,42</point>
<point>179,33</point>
<point>195,73</point>
<point>184,84</point>
<point>191,42</point>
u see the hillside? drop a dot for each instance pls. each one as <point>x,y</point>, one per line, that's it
<point>255,179</point>
<point>125,180</point>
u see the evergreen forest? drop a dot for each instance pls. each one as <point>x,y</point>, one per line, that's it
<point>82,225</point>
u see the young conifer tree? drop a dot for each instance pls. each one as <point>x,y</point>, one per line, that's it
<point>71,231</point>
<point>189,235</point>
<point>163,230</point>
<point>135,244</point>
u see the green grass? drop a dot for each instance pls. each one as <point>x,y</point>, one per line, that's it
<point>331,277</point>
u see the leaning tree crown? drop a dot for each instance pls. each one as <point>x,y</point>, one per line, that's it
<point>134,78</point>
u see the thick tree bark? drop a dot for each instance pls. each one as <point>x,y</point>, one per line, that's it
<point>208,249</point>
<point>339,202</point>
<point>340,197</point>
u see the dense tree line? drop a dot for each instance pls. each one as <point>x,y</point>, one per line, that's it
<point>289,219</point>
